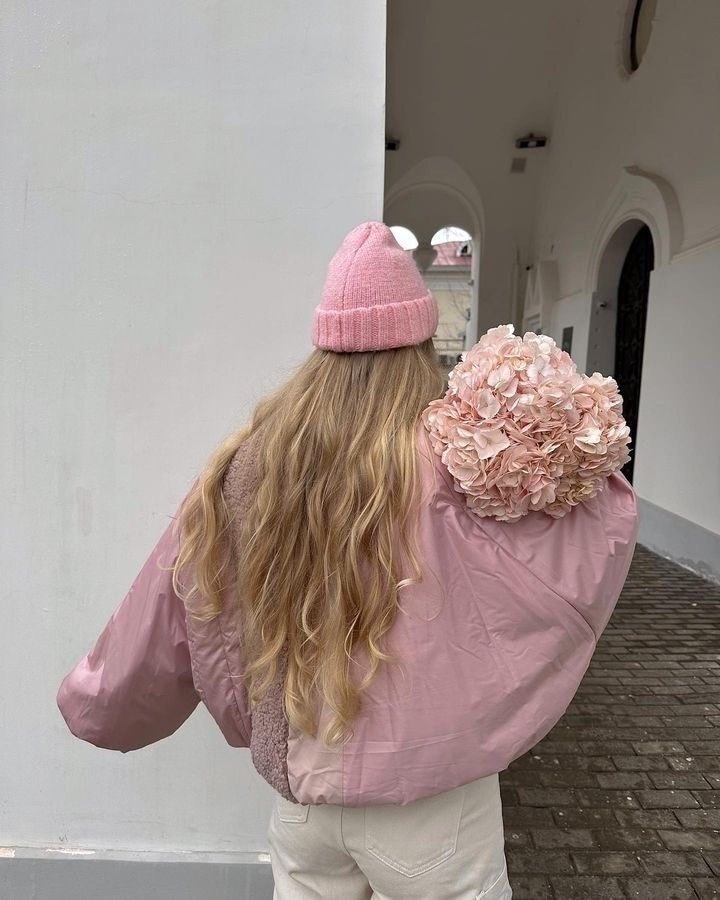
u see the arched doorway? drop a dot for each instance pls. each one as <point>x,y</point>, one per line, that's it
<point>632,303</point>
<point>618,316</point>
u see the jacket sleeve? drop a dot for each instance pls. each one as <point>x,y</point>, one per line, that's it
<point>135,686</point>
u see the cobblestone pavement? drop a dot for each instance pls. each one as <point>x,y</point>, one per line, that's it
<point>622,799</point>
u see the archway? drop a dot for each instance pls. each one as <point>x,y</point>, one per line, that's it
<point>632,303</point>
<point>432,194</point>
<point>449,276</point>
<point>445,263</point>
<point>639,201</point>
<point>617,329</point>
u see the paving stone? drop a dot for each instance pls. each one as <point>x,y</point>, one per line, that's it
<point>614,738</point>
<point>698,818</point>
<point>707,888</point>
<point>694,763</point>
<point>675,780</point>
<point>703,748</point>
<point>666,799</point>
<point>568,778</point>
<point>665,863</point>
<point>690,840</point>
<point>551,746</point>
<point>658,748</point>
<point>597,662</point>
<point>676,689</point>
<point>626,780</point>
<point>681,724</point>
<point>688,735</point>
<point>594,748</point>
<point>521,778</point>
<point>562,838</point>
<point>640,763</point>
<point>708,799</point>
<point>531,887</point>
<point>543,862</point>
<point>650,818</point>
<point>605,862</point>
<point>545,797</point>
<point>616,799</point>
<point>659,889</point>
<point>525,816</point>
<point>584,817</point>
<point>587,887</point>
<point>635,722</point>
<point>628,839</point>
<point>661,664</point>
<point>588,763</point>
<point>517,838</point>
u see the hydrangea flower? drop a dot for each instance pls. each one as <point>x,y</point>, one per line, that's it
<point>520,429</point>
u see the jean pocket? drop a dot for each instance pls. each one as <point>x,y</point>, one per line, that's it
<point>416,837</point>
<point>287,811</point>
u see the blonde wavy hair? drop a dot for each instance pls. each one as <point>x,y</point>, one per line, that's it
<point>323,546</point>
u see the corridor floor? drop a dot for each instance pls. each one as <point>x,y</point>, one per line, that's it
<point>622,799</point>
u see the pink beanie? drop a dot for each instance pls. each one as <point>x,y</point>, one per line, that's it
<point>374,296</point>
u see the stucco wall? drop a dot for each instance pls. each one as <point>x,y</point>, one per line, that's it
<point>175,177</point>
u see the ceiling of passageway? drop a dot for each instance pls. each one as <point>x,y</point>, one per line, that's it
<point>465,78</point>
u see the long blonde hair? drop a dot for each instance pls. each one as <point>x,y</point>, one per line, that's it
<point>318,566</point>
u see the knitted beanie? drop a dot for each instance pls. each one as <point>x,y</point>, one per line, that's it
<point>374,296</point>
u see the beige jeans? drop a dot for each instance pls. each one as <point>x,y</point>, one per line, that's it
<point>446,847</point>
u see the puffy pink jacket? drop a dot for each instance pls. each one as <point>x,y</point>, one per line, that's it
<point>494,642</point>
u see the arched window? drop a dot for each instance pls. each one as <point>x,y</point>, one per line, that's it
<point>452,244</point>
<point>450,233</point>
<point>640,29</point>
<point>404,237</point>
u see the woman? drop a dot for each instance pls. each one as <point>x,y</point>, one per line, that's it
<point>328,596</point>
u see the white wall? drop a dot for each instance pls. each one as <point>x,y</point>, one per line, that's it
<point>175,177</point>
<point>663,119</point>
<point>678,448</point>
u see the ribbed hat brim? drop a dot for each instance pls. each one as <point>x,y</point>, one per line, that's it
<point>379,327</point>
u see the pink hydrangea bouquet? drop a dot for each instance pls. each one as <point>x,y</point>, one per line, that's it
<point>520,429</point>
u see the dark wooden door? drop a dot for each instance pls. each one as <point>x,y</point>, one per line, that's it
<point>632,304</point>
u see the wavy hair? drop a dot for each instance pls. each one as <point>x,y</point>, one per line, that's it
<point>324,546</point>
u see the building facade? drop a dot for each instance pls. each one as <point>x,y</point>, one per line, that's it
<point>608,236</point>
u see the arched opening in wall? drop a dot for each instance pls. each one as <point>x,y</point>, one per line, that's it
<point>445,263</point>
<point>449,277</point>
<point>439,193</point>
<point>404,236</point>
<point>632,303</point>
<point>619,316</point>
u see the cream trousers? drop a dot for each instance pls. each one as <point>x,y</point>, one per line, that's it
<point>448,846</point>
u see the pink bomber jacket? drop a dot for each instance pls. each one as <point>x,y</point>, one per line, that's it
<point>494,642</point>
